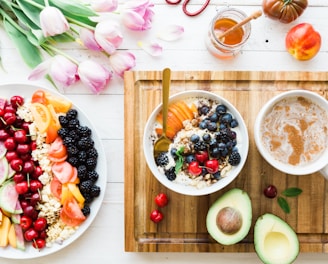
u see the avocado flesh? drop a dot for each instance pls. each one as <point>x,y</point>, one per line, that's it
<point>275,241</point>
<point>239,201</point>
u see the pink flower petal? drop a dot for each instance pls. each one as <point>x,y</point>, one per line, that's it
<point>104,5</point>
<point>88,39</point>
<point>108,35</point>
<point>154,49</point>
<point>122,61</point>
<point>40,70</point>
<point>171,33</point>
<point>52,21</point>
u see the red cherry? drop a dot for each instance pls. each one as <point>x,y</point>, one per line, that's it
<point>40,224</point>
<point>16,164</point>
<point>19,177</point>
<point>35,198</point>
<point>23,148</point>
<point>212,166</point>
<point>30,212</point>
<point>201,156</point>
<point>10,155</point>
<point>28,166</point>
<point>21,187</point>
<point>194,168</point>
<point>35,185</point>
<point>25,222</point>
<point>30,234</point>
<point>16,101</point>
<point>39,243</point>
<point>33,145</point>
<point>20,136</point>
<point>9,118</point>
<point>156,216</point>
<point>10,144</point>
<point>270,191</point>
<point>161,199</point>
<point>26,127</point>
<point>37,172</point>
<point>4,134</point>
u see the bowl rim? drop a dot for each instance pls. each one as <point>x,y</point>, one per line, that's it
<point>314,166</point>
<point>185,189</point>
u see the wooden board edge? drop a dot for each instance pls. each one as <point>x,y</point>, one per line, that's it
<point>235,75</point>
<point>129,94</point>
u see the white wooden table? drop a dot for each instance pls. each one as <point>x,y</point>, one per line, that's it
<point>103,242</point>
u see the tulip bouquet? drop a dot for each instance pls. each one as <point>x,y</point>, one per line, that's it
<point>37,27</point>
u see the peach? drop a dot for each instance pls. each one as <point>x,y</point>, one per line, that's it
<point>303,42</point>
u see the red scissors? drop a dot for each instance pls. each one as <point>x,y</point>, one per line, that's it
<point>184,6</point>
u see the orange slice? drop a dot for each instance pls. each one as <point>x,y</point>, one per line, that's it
<point>60,105</point>
<point>42,116</point>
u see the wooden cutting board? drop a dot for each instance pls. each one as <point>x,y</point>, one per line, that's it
<point>183,228</point>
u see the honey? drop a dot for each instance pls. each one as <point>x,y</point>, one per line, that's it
<point>230,45</point>
<point>223,25</point>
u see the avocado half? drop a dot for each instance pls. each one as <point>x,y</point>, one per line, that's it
<point>275,241</point>
<point>229,218</point>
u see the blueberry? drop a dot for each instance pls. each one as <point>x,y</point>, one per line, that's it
<point>190,158</point>
<point>226,118</point>
<point>215,152</point>
<point>214,117</point>
<point>212,126</point>
<point>194,138</point>
<point>213,143</point>
<point>203,124</point>
<point>217,175</point>
<point>207,137</point>
<point>174,153</point>
<point>221,109</point>
<point>203,110</point>
<point>233,123</point>
<point>222,126</point>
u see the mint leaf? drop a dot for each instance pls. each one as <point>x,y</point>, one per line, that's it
<point>284,204</point>
<point>180,160</point>
<point>292,192</point>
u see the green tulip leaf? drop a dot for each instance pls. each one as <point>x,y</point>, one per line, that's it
<point>24,19</point>
<point>30,53</point>
<point>31,11</point>
<point>73,7</point>
<point>283,204</point>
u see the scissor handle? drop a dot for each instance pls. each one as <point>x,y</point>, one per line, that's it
<point>184,6</point>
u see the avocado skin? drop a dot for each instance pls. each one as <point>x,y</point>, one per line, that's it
<point>239,200</point>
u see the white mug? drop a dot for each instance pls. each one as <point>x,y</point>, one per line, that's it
<point>319,163</point>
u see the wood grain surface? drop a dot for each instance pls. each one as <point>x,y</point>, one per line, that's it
<point>183,228</point>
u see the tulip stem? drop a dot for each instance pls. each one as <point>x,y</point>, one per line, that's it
<point>52,51</point>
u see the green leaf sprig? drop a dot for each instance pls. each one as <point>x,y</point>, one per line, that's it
<point>289,192</point>
<point>180,160</point>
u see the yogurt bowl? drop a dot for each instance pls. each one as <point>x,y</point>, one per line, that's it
<point>209,143</point>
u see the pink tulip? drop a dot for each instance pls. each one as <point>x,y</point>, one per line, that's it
<point>138,14</point>
<point>52,21</point>
<point>88,39</point>
<point>61,70</point>
<point>122,61</point>
<point>94,75</point>
<point>108,35</point>
<point>104,5</point>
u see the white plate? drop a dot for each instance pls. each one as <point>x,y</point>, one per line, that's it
<point>26,90</point>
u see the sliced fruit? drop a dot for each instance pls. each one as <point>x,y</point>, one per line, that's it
<point>63,171</point>
<point>9,198</point>
<point>274,240</point>
<point>41,115</point>
<point>12,240</point>
<point>57,151</point>
<point>185,108</point>
<point>4,167</point>
<point>3,149</point>
<point>56,188</point>
<point>54,125</point>
<point>60,104</point>
<point>20,242</point>
<point>15,218</point>
<point>71,213</point>
<point>74,189</point>
<point>39,96</point>
<point>4,231</point>
<point>229,218</point>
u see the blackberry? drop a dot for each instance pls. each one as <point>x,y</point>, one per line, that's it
<point>85,187</point>
<point>82,156</point>
<point>93,175</point>
<point>63,132</point>
<point>162,159</point>
<point>224,135</point>
<point>85,143</point>
<point>234,158</point>
<point>72,150</point>
<point>200,145</point>
<point>170,174</point>
<point>82,172</point>
<point>91,163</point>
<point>84,131</point>
<point>74,161</point>
<point>95,191</point>
<point>92,153</point>
<point>86,210</point>
<point>68,141</point>
<point>63,121</point>
<point>73,124</point>
<point>73,134</point>
<point>71,114</point>
<point>87,198</point>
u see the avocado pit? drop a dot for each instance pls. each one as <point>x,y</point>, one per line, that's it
<point>229,220</point>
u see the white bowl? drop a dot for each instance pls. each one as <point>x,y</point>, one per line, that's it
<point>306,168</point>
<point>242,145</point>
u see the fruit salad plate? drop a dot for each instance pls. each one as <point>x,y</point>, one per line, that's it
<point>26,91</point>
